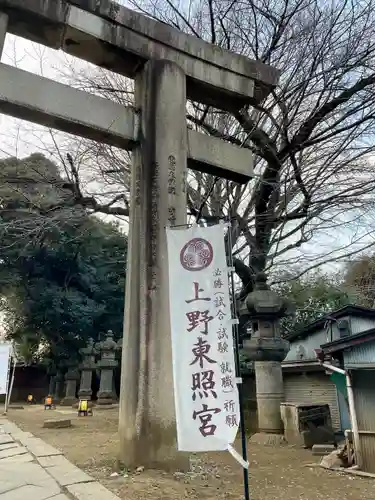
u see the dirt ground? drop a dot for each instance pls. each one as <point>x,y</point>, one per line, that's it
<point>275,473</point>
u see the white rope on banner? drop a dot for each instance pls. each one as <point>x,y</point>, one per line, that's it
<point>238,457</point>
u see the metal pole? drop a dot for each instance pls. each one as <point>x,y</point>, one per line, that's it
<point>236,341</point>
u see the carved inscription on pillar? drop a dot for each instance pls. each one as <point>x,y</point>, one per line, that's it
<point>138,183</point>
<point>184,181</point>
<point>154,279</point>
<point>172,188</point>
<point>172,216</point>
<point>171,174</point>
<point>154,229</point>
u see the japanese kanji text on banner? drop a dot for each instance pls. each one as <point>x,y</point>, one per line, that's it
<point>206,394</point>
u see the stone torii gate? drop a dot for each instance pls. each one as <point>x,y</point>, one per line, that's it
<point>169,67</point>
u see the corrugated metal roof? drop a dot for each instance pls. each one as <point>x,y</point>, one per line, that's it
<point>350,341</point>
<point>359,324</point>
<point>359,355</point>
<point>348,310</point>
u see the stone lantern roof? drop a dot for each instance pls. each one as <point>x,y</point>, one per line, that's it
<point>265,307</point>
<point>108,344</point>
<point>264,303</point>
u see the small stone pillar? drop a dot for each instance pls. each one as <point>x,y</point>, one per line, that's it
<point>52,385</point>
<point>71,378</point>
<point>52,379</point>
<point>59,382</point>
<point>264,308</point>
<point>118,358</point>
<point>87,367</point>
<point>106,364</point>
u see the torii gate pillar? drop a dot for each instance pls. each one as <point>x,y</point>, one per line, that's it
<point>147,416</point>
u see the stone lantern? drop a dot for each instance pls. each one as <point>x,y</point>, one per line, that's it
<point>264,308</point>
<point>71,379</point>
<point>87,367</point>
<point>106,364</point>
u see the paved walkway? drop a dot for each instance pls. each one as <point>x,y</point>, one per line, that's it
<point>31,469</point>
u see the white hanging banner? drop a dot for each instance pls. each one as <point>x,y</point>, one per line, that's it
<point>206,394</point>
<point>5,351</point>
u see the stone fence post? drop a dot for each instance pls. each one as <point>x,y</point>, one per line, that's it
<point>52,379</point>
<point>71,378</point>
<point>59,382</point>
